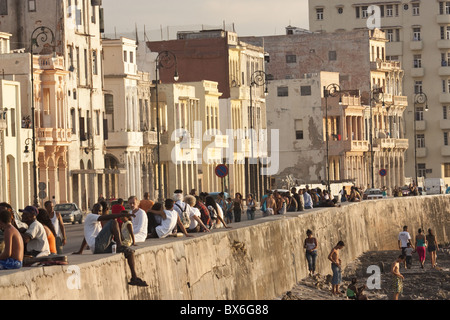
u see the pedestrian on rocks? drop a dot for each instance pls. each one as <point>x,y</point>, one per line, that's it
<point>397,280</point>
<point>421,244</point>
<point>432,247</point>
<point>310,246</point>
<point>409,251</point>
<point>403,239</point>
<point>336,267</point>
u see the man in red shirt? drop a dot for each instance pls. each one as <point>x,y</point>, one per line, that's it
<point>118,208</point>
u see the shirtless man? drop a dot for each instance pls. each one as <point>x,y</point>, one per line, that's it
<point>397,280</point>
<point>12,255</point>
<point>271,205</point>
<point>336,267</point>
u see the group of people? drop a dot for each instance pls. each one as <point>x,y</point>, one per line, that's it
<point>411,190</point>
<point>41,233</point>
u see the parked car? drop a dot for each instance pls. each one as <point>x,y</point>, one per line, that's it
<point>405,191</point>
<point>70,212</point>
<point>371,194</point>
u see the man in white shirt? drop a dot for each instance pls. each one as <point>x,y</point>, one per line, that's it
<point>140,222</point>
<point>35,236</point>
<point>169,220</point>
<point>100,239</point>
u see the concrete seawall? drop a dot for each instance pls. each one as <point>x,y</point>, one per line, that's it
<point>258,259</point>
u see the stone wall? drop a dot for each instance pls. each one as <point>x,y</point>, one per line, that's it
<point>255,260</point>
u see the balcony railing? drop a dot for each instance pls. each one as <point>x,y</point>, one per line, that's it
<point>54,135</point>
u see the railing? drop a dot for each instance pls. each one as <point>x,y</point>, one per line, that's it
<point>49,62</point>
<point>54,134</point>
<point>150,137</point>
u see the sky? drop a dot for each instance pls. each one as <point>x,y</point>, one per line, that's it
<point>162,18</point>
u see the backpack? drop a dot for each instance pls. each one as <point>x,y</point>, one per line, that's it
<point>185,220</point>
<point>212,213</point>
<point>204,214</point>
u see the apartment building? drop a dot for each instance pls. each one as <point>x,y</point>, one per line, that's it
<point>220,56</point>
<point>68,30</point>
<point>418,37</point>
<point>365,121</point>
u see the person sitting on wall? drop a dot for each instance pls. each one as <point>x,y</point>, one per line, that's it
<point>12,255</point>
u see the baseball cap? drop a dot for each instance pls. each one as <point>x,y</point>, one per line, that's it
<point>30,209</point>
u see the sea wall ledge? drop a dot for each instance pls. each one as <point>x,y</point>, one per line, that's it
<point>257,259</point>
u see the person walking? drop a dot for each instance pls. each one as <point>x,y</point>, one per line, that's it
<point>336,267</point>
<point>397,280</point>
<point>432,247</point>
<point>403,239</point>
<point>237,207</point>
<point>421,244</point>
<point>251,207</point>
<point>310,246</point>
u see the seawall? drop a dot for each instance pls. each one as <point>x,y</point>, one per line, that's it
<point>257,259</point>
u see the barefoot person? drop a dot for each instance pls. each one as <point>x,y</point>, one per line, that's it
<point>310,246</point>
<point>432,247</point>
<point>336,267</point>
<point>397,280</point>
<point>12,255</point>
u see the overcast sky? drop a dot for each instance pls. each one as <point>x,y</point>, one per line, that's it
<point>250,17</point>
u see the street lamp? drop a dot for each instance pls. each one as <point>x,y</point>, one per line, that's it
<point>164,60</point>
<point>419,98</point>
<point>258,79</point>
<point>332,90</point>
<point>44,35</point>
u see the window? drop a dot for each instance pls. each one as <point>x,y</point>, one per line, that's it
<point>365,14</point>
<point>125,56</point>
<point>416,9</point>
<point>445,59</point>
<point>443,86</point>
<point>390,35</point>
<point>417,87</point>
<point>291,58</point>
<point>421,170</point>
<point>109,103</point>
<point>417,61</point>
<point>283,91</point>
<point>448,85</point>
<point>3,7</point>
<point>444,7</point>
<point>445,138</point>
<point>299,129</point>
<point>416,34</point>
<point>389,10</point>
<point>444,112</point>
<point>319,13</point>
<point>94,62</point>
<point>446,170</point>
<point>131,57</point>
<point>340,10</point>
<point>32,5</point>
<point>305,90</point>
<point>420,139</point>
<point>419,113</point>
<point>357,13</point>
<point>332,56</point>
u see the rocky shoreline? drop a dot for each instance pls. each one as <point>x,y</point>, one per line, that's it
<point>419,284</point>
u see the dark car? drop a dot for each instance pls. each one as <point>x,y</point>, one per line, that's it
<point>70,212</point>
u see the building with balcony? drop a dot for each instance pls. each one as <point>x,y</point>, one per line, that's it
<point>418,37</point>
<point>76,27</point>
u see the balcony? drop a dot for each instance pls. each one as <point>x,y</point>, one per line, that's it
<point>387,143</point>
<point>337,147</point>
<point>421,125</point>
<point>401,143</point>
<point>444,124</point>
<point>416,45</point>
<point>51,136</point>
<point>49,62</point>
<point>417,72</point>
<point>384,66</point>
<point>150,138</point>
<point>190,143</point>
<point>401,101</point>
<point>443,18</point>
<point>421,152</point>
<point>444,98</point>
<point>444,71</point>
<point>239,93</point>
<point>125,139</point>
<point>443,44</point>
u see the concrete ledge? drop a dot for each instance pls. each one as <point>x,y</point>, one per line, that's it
<point>258,259</point>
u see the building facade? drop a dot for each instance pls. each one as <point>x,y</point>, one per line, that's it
<point>417,35</point>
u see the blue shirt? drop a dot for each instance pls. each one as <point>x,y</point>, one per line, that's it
<point>307,199</point>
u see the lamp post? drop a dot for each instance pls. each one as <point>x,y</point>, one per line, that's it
<point>332,90</point>
<point>419,98</point>
<point>45,35</point>
<point>258,79</point>
<point>164,60</point>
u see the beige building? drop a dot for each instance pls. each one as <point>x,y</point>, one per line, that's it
<point>417,34</point>
<point>76,26</point>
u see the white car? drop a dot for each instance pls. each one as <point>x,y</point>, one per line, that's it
<point>70,212</point>
<point>371,194</point>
